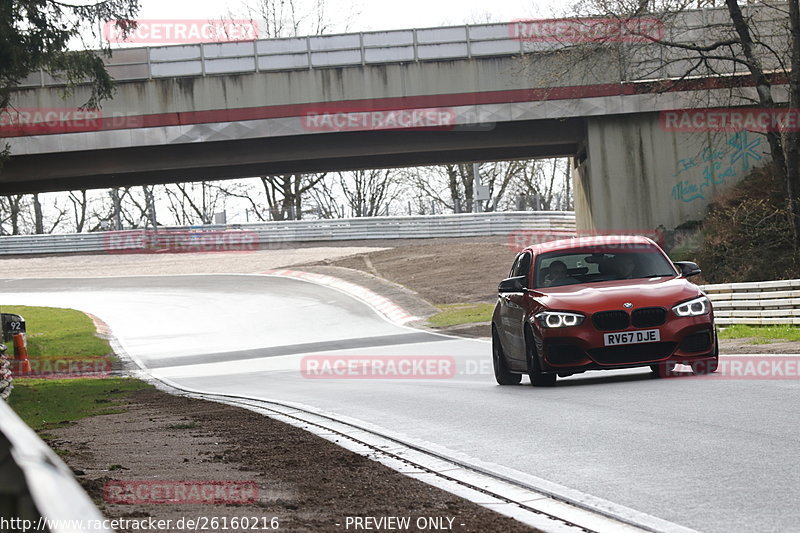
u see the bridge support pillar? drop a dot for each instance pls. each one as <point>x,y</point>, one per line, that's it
<point>640,176</point>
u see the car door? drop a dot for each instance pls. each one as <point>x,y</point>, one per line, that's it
<point>503,312</point>
<point>514,318</point>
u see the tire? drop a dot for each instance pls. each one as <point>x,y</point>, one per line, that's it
<point>706,366</point>
<point>662,370</point>
<point>538,378</point>
<point>501,372</point>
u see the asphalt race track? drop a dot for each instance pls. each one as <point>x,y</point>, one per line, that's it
<point>713,455</point>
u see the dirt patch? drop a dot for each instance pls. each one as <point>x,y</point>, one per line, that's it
<point>305,482</point>
<point>442,271</point>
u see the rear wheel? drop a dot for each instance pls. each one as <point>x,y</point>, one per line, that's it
<point>501,372</point>
<point>538,378</point>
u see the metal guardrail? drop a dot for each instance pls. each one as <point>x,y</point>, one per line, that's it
<point>272,234</point>
<point>756,303</point>
<point>37,486</point>
<point>395,46</point>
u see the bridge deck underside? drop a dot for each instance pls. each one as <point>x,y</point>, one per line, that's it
<point>305,153</point>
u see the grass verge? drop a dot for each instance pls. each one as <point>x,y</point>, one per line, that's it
<point>49,403</point>
<point>59,333</point>
<point>57,340</point>
<point>761,334</point>
<point>456,314</point>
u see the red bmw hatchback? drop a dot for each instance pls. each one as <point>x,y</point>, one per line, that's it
<point>598,303</point>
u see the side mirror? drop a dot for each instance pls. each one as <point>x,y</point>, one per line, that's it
<point>11,324</point>
<point>688,268</point>
<point>515,284</point>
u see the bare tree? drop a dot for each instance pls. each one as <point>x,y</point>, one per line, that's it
<point>285,194</point>
<point>79,209</point>
<point>451,186</point>
<point>13,208</point>
<point>327,198</point>
<point>542,185</point>
<point>368,193</point>
<point>192,203</point>
<point>761,41</point>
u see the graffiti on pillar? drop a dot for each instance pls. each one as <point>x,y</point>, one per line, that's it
<point>714,166</point>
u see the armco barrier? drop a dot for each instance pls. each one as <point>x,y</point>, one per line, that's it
<point>37,486</point>
<point>277,233</point>
<point>760,302</point>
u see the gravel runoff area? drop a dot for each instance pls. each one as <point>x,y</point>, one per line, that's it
<point>288,479</point>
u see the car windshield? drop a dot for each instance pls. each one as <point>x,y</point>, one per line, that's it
<point>573,267</point>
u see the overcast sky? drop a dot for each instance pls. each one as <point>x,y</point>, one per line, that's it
<point>367,15</point>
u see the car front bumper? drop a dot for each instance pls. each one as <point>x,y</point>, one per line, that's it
<point>682,340</point>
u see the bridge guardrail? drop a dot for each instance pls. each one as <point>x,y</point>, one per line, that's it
<point>378,47</point>
<point>756,303</point>
<point>278,233</point>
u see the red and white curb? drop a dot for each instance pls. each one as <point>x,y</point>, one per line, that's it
<point>384,306</point>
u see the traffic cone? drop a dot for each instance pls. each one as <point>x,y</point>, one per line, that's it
<point>21,353</point>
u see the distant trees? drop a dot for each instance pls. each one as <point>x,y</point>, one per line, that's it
<point>513,185</point>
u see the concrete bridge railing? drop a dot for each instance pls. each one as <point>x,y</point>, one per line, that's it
<point>415,45</point>
<point>298,53</point>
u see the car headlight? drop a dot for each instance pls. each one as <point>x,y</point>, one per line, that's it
<point>558,319</point>
<point>696,307</point>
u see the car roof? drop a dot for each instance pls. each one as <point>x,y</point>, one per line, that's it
<point>587,242</point>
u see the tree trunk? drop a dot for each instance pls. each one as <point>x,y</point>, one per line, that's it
<point>37,215</point>
<point>792,138</point>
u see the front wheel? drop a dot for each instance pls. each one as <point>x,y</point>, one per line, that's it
<point>706,366</point>
<point>538,378</point>
<point>501,372</point>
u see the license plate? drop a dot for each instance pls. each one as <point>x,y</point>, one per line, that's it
<point>632,337</point>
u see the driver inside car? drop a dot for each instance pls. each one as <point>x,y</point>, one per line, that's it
<point>557,275</point>
<point>625,265</point>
